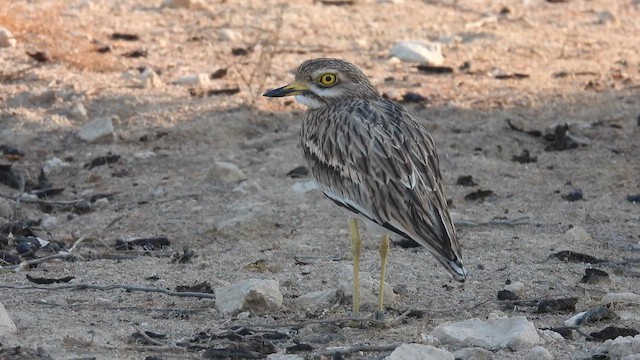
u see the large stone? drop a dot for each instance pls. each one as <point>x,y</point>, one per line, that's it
<point>627,297</point>
<point>620,347</point>
<point>249,295</point>
<point>7,326</point>
<point>226,173</point>
<point>495,332</point>
<point>97,130</point>
<point>419,351</point>
<point>419,51</point>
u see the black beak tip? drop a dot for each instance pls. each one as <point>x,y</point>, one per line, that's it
<point>274,93</point>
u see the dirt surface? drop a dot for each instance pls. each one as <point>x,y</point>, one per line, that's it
<point>582,69</point>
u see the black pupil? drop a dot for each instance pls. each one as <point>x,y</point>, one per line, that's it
<point>327,78</point>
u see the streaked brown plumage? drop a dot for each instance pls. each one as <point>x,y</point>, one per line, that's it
<point>373,157</point>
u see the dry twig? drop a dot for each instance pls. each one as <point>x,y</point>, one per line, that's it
<point>111,287</point>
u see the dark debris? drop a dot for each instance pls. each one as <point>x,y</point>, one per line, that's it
<point>576,257</point>
<point>148,244</point>
<point>203,287</point>
<point>634,198</point>
<point>573,195</point>
<point>437,70</point>
<point>465,180</point>
<point>525,157</point>
<point>612,332</point>
<point>125,36</point>
<point>564,305</point>
<point>595,276</point>
<point>298,172</point>
<point>478,195</point>
<point>46,281</point>
<point>102,160</point>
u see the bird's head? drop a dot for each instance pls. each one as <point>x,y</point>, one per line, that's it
<point>322,82</point>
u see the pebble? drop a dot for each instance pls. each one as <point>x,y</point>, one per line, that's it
<point>247,187</point>
<point>42,96</point>
<point>200,80</point>
<point>150,79</point>
<point>318,299</point>
<point>6,38</point>
<point>495,332</point>
<point>226,34</point>
<point>539,353</point>
<point>97,130</point>
<point>419,351</point>
<point>101,203</point>
<point>7,326</point>
<point>302,187</point>
<point>78,111</point>
<point>369,288</point>
<point>52,165</point>
<point>6,210</point>
<point>549,337</point>
<point>256,295</point>
<point>418,51</point>
<point>225,173</point>
<point>577,234</point>
<point>49,223</point>
<point>620,297</point>
<point>284,357</point>
<point>515,287</point>
<point>473,353</point>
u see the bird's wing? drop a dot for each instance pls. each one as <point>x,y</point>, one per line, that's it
<point>375,159</point>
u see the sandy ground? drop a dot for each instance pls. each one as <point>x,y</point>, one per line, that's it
<point>583,70</point>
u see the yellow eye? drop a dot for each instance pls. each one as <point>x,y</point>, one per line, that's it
<point>328,79</point>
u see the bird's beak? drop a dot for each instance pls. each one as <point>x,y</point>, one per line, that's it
<point>295,88</point>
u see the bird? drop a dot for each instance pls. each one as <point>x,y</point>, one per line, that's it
<point>374,158</point>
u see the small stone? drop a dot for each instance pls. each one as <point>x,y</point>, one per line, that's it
<point>539,353</point>
<point>620,348</point>
<point>255,295</point>
<point>318,299</point>
<point>303,187</point>
<point>97,130</point>
<point>419,351</point>
<point>49,223</point>
<point>101,203</point>
<point>42,96</point>
<point>420,52</point>
<point>6,38</point>
<point>369,288</point>
<point>150,79</point>
<point>577,234</point>
<point>226,34</point>
<point>6,210</point>
<point>284,357</point>
<point>495,332</point>
<point>605,17</point>
<point>627,297</point>
<point>550,337</point>
<point>226,173</point>
<point>473,353</point>
<point>142,155</point>
<point>78,111</point>
<point>7,326</point>
<point>198,80</point>
<point>515,287</point>
<point>52,165</point>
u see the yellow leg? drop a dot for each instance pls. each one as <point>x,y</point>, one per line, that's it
<point>384,253</point>
<point>356,250</point>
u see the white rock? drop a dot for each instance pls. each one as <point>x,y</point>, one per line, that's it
<point>515,287</point>
<point>6,210</point>
<point>284,357</point>
<point>53,164</point>
<point>369,288</point>
<point>101,203</point>
<point>620,297</point>
<point>226,34</point>
<point>225,173</point>
<point>495,332</point>
<point>620,347</point>
<point>49,223</point>
<point>6,38</point>
<point>302,187</point>
<point>419,351</point>
<point>78,111</point>
<point>150,79</point>
<point>577,234</point>
<point>539,353</point>
<point>318,299</point>
<point>7,326</point>
<point>199,80</point>
<point>550,337</point>
<point>473,353</point>
<point>145,154</point>
<point>243,315</point>
<point>249,295</point>
<point>97,130</point>
<point>418,51</point>
<point>575,319</point>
